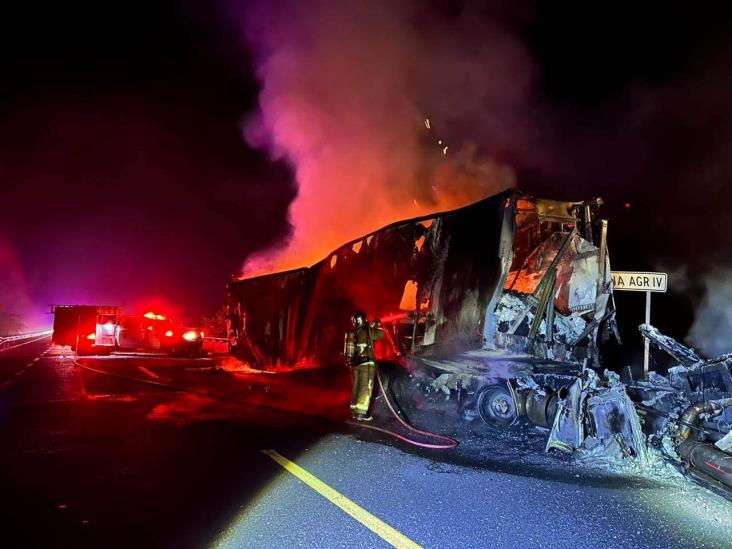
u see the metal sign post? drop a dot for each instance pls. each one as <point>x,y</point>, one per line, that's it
<point>630,281</point>
<point>646,343</point>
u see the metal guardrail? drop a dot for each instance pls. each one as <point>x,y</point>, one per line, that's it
<point>11,342</point>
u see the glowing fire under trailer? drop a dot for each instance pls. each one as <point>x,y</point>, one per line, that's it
<point>472,300</point>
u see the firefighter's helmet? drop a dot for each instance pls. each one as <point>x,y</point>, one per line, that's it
<point>359,318</point>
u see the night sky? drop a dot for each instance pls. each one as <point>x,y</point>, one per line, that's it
<point>124,174</point>
<point>125,177</point>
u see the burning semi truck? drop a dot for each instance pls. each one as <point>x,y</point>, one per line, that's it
<point>498,307</point>
<point>472,302</point>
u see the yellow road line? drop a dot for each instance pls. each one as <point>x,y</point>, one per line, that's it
<point>376,525</point>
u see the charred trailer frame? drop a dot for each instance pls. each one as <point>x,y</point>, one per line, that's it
<point>505,287</point>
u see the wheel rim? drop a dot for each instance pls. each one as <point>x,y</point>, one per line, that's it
<point>496,406</point>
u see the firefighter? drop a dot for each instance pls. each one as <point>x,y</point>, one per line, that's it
<point>360,356</point>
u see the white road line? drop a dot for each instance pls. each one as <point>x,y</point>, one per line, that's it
<point>36,359</point>
<point>148,372</point>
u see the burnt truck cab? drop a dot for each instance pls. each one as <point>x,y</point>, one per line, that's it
<point>506,287</point>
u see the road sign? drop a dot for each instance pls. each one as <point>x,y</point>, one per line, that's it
<point>632,281</point>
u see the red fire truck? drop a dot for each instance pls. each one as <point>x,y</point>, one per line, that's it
<point>86,328</point>
<point>101,329</point>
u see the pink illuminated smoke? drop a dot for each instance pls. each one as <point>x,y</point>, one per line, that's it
<point>346,87</point>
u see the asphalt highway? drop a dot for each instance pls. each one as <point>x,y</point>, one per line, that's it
<point>176,452</point>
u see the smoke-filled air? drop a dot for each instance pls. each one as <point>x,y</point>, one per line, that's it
<point>385,111</point>
<point>713,318</point>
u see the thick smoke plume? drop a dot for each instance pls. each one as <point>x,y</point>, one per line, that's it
<point>17,311</point>
<point>711,332</point>
<point>346,87</point>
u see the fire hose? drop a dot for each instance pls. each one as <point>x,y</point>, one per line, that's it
<point>449,442</point>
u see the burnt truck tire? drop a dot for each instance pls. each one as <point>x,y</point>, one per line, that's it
<point>496,406</point>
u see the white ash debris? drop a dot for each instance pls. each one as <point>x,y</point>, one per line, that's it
<point>566,328</point>
<point>440,383</point>
<point>569,327</point>
<point>446,383</point>
<point>613,379</point>
<point>668,446</point>
<point>593,380</point>
<point>654,400</point>
<point>725,443</point>
<point>509,308</point>
<point>677,370</point>
<point>529,383</point>
<point>595,455</point>
<point>582,285</point>
<point>657,380</point>
<point>660,389</point>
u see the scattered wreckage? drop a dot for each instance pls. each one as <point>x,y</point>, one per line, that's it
<point>499,307</point>
<point>685,416</point>
<point>692,408</point>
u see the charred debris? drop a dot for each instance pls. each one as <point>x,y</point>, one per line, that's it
<point>496,309</point>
